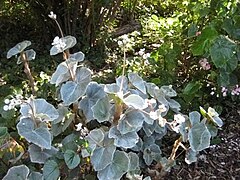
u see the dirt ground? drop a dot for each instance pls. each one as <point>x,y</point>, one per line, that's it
<point>221,161</point>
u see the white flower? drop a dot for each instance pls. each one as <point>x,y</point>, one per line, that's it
<point>6,108</point>
<point>162,108</point>
<point>153,115</point>
<point>79,127</point>
<point>146,56</point>
<point>141,52</point>
<point>58,43</point>
<point>6,101</point>
<point>179,118</point>
<point>52,15</point>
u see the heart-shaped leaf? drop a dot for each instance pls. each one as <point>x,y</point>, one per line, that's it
<point>71,158</point>
<point>51,170</point>
<point>101,110</point>
<point>130,121</point>
<point>61,74</point>
<point>35,176</point>
<point>17,172</point>
<point>102,156</point>
<point>117,168</point>
<point>135,101</point>
<point>39,136</point>
<point>79,57</point>
<point>199,137</point>
<point>30,55</point>
<point>42,110</point>
<point>39,155</point>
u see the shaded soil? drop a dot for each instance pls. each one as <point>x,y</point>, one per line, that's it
<point>220,161</point>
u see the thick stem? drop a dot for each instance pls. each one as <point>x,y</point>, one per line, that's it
<point>27,71</point>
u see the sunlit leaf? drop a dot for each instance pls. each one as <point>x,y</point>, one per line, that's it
<point>137,81</point>
<point>18,48</point>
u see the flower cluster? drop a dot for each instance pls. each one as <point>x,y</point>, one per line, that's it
<point>205,64</point>
<point>52,15</point>
<point>58,43</point>
<point>224,91</point>
<point>179,119</point>
<point>236,90</point>
<point>11,103</point>
<point>81,129</point>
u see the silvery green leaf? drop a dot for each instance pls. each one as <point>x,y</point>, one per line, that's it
<point>71,92</point>
<point>135,101</point>
<point>148,128</point>
<point>83,77</point>
<point>61,74</point>
<point>63,112</point>
<point>51,170</point>
<point>18,48</point>
<point>168,91</point>
<point>130,121</point>
<point>94,92</point>
<point>79,57</point>
<point>151,88</point>
<point>147,178</point>
<point>138,146</point>
<point>137,82</point>
<point>30,55</point>
<point>117,168</point>
<point>194,117</point>
<point>191,156</point>
<point>174,105</point>
<point>70,41</point>
<point>35,176</point>
<point>148,141</point>
<point>151,153</point>
<point>96,136</point>
<point>212,129</point>
<point>122,81</point>
<point>111,88</point>
<point>134,161</point>
<point>101,110</point>
<point>71,158</point>
<point>199,137</point>
<point>17,172</point>
<point>159,129</point>
<point>127,140</point>
<point>39,136</point>
<point>42,109</point>
<point>39,155</point>
<point>148,119</point>
<point>102,157</point>
<point>160,96</point>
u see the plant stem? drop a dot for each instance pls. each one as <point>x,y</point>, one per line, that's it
<point>124,66</point>
<point>27,71</point>
<point>175,148</point>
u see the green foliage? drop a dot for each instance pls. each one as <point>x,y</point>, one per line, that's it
<point>127,119</point>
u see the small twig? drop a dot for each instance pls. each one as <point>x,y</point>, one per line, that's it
<point>27,71</point>
<point>175,148</point>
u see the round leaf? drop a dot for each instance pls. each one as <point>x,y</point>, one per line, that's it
<point>71,158</point>
<point>101,110</point>
<point>51,170</point>
<point>18,48</point>
<point>17,172</point>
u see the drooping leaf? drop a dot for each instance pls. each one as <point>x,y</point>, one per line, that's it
<point>135,101</point>
<point>39,136</point>
<point>127,140</point>
<point>117,168</point>
<point>71,158</point>
<point>102,157</point>
<point>111,88</point>
<point>137,82</point>
<point>130,121</point>
<point>151,153</point>
<point>78,56</point>
<point>18,48</point>
<point>17,172</point>
<point>199,137</point>
<point>194,117</point>
<point>191,156</point>
<point>51,170</point>
<point>35,176</point>
<point>42,110</point>
<point>30,55</point>
<point>213,115</point>
<point>174,105</point>
<point>39,155</point>
<point>223,54</point>
<point>101,110</point>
